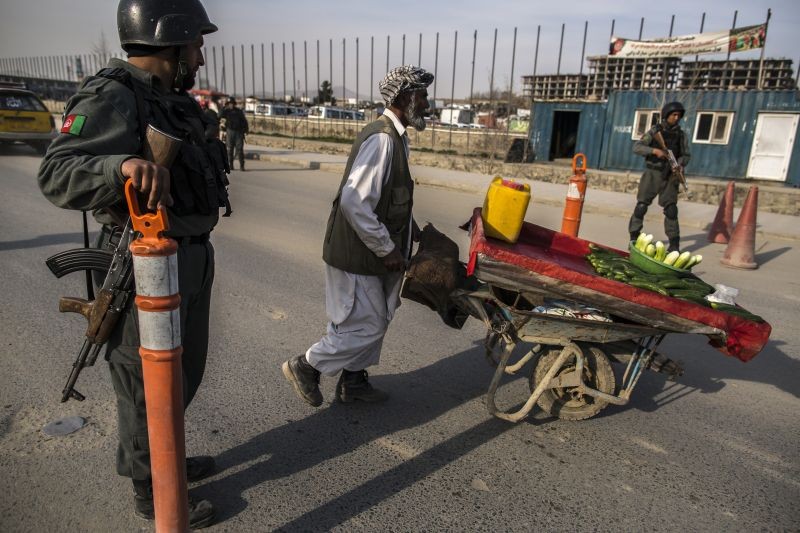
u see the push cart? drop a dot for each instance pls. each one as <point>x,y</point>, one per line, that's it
<point>572,376</point>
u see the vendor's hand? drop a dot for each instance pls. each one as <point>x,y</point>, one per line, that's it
<point>150,179</point>
<point>394,262</point>
<point>659,153</point>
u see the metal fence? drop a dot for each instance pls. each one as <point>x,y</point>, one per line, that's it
<point>295,71</point>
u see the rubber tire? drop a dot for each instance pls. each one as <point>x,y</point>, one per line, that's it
<point>600,374</point>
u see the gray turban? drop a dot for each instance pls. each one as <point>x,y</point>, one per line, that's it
<point>405,78</point>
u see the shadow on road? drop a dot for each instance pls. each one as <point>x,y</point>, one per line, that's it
<point>422,396</point>
<point>708,374</point>
<point>43,240</point>
<point>18,149</point>
<point>336,430</point>
<point>766,257</point>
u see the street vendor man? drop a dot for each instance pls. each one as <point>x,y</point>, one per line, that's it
<point>658,178</point>
<point>366,247</point>
<point>101,147</point>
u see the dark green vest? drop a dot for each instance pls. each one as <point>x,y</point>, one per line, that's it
<point>198,180</point>
<point>673,138</point>
<point>343,248</point>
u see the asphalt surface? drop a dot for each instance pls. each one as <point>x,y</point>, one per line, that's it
<point>693,215</point>
<point>715,450</point>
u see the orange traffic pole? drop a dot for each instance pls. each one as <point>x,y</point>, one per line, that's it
<point>155,269</point>
<point>571,222</point>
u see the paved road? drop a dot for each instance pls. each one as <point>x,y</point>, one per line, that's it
<point>716,450</point>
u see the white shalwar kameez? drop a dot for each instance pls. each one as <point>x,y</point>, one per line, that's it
<point>360,307</point>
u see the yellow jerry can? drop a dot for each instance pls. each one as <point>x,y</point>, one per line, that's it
<point>504,209</point>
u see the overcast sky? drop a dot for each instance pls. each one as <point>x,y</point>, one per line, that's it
<point>58,27</point>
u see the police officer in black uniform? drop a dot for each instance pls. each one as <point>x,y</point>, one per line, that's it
<point>99,148</point>
<point>657,179</point>
<point>236,128</point>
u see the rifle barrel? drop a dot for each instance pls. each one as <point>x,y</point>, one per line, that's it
<point>69,390</point>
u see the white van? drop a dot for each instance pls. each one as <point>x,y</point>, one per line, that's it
<point>272,110</point>
<point>328,112</point>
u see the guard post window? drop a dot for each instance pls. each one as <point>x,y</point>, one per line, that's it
<point>643,121</point>
<point>712,127</point>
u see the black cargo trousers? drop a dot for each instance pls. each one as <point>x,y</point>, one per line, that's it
<point>195,280</point>
<point>657,182</point>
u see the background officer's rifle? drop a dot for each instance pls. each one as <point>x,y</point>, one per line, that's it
<point>676,167</point>
<point>103,312</point>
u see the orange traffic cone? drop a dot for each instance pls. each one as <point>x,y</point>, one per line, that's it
<point>740,252</point>
<point>722,226</point>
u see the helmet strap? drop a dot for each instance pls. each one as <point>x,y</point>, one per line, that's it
<point>183,68</point>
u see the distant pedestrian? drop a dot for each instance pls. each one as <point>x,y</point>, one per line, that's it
<point>212,122</point>
<point>236,127</point>
<point>658,179</point>
<point>367,244</point>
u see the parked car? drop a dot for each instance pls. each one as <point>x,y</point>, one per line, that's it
<point>24,118</point>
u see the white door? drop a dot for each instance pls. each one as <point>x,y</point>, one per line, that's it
<point>772,146</point>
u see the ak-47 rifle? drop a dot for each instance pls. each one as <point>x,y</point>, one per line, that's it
<point>104,311</point>
<point>101,313</point>
<point>676,167</point>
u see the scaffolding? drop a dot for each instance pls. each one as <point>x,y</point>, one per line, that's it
<point>555,87</point>
<point>724,75</point>
<point>609,73</point>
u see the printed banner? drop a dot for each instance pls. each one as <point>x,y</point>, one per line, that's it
<point>737,40</point>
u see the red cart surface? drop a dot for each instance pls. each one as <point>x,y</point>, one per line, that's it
<point>573,378</point>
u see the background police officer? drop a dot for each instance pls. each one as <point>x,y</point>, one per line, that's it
<point>236,128</point>
<point>100,147</point>
<point>657,179</point>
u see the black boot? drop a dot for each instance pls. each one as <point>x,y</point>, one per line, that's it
<point>304,378</point>
<point>354,386</point>
<point>201,512</point>
<point>674,244</point>
<point>634,235</point>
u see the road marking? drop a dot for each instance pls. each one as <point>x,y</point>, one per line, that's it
<point>404,451</point>
<point>649,445</point>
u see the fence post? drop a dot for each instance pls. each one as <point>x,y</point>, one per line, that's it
<point>453,90</point>
<point>472,83</point>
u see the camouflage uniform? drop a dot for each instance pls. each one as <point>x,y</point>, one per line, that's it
<point>657,180</point>
<point>82,170</point>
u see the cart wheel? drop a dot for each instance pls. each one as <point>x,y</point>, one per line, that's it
<point>566,403</point>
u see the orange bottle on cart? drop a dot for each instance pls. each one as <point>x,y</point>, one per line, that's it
<point>504,209</point>
<point>576,192</point>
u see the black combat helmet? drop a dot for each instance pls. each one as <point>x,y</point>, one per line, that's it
<point>160,23</point>
<point>670,108</point>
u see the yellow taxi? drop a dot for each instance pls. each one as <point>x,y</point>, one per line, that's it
<point>24,118</point>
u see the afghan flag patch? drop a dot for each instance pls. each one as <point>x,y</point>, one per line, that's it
<point>73,124</point>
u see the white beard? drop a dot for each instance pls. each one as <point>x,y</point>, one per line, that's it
<point>414,120</point>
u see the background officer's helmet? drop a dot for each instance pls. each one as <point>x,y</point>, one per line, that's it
<point>670,108</point>
<point>159,23</point>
